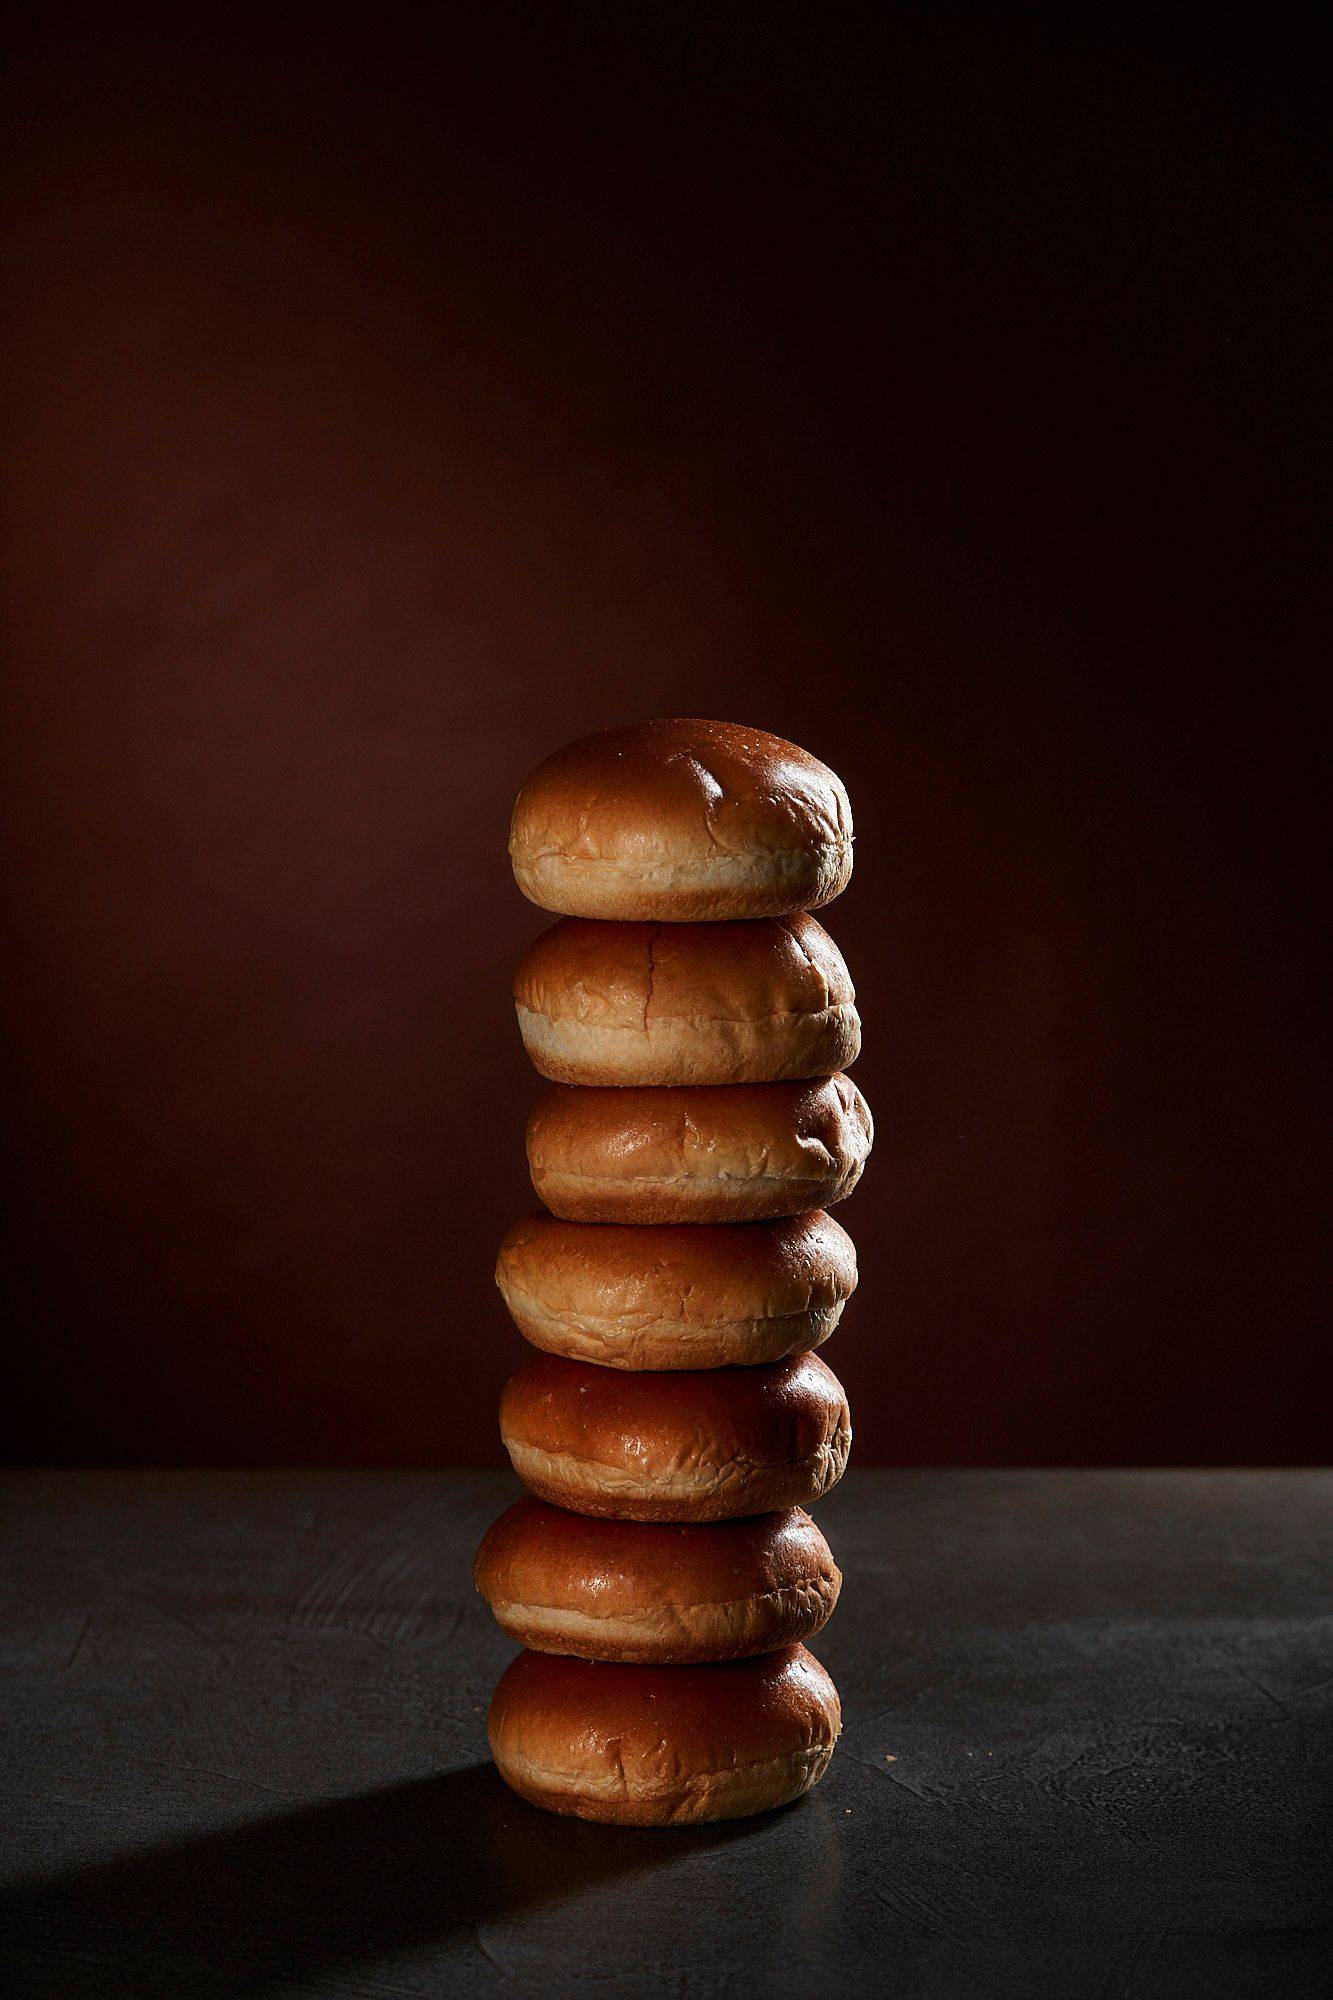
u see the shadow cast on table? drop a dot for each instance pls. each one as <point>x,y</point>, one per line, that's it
<point>306,1895</point>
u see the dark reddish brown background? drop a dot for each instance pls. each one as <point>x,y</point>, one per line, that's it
<point>384,412</point>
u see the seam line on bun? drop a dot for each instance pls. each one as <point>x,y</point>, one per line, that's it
<point>515,1609</point>
<point>832,1010</point>
<point>645,1319</point>
<point>797,852</point>
<point>825,1462</point>
<point>819,1178</point>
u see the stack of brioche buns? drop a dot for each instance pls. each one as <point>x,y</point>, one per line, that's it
<point>674,1421</point>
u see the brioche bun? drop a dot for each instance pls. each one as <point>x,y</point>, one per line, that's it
<point>664,1746</point>
<point>602,1003</point>
<point>653,1296</point>
<point>703,1445</point>
<point>740,1152</point>
<point>681,820</point>
<point>655,1593</point>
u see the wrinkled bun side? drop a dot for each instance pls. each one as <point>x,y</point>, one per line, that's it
<point>663,1297</point>
<point>734,1153</point>
<point>698,1446</point>
<point>664,1746</point>
<point>652,1593</point>
<point>681,820</point>
<point>604,1003</point>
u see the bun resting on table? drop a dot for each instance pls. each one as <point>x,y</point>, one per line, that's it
<point>664,1746</point>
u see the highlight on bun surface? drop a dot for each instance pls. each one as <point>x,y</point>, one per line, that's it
<point>758,1002</point>
<point>703,1445</point>
<point>741,1152</point>
<point>681,820</point>
<point>658,1296</point>
<point>664,1746</point>
<point>656,1593</point>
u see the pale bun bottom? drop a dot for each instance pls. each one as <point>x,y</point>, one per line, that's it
<point>700,1492</point>
<point>717,887</point>
<point>724,1795</point>
<point>699,1197</point>
<point>664,1346</point>
<point>782,1048</point>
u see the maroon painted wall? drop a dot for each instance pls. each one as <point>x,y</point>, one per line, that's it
<point>382,414</point>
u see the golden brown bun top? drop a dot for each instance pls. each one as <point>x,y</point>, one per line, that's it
<point>716,1717</point>
<point>607,974</point>
<point>786,1410</point>
<point>677,793</point>
<point>706,1271</point>
<point>535,1554</point>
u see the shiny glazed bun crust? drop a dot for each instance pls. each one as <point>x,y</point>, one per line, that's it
<point>664,1746</point>
<point>654,1296</point>
<point>606,1003</point>
<point>656,1593</point>
<point>739,1152</point>
<point>706,1445</point>
<point>681,820</point>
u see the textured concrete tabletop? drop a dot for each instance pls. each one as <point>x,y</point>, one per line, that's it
<point>1087,1725</point>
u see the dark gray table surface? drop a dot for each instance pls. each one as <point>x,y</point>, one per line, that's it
<point>1087,1724</point>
